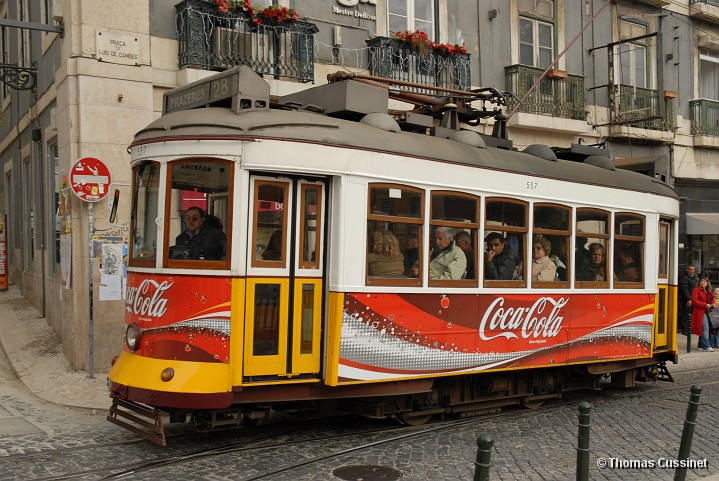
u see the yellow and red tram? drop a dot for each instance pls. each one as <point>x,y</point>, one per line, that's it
<point>294,315</point>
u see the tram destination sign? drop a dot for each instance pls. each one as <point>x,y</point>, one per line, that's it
<point>221,90</point>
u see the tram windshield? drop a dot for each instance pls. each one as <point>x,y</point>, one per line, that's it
<point>197,210</point>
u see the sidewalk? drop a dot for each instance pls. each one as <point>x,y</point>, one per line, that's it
<point>35,354</point>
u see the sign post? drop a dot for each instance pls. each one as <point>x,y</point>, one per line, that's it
<point>90,181</point>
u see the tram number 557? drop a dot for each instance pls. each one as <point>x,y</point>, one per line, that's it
<point>531,185</point>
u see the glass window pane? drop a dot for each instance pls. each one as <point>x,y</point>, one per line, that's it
<point>545,35</point>
<point>146,198</point>
<point>628,261</point>
<point>308,315</point>
<point>270,219</point>
<point>592,221</point>
<point>310,224</point>
<point>198,210</point>
<point>397,24</point>
<point>395,202</point>
<point>266,328</point>
<point>387,255</point>
<point>503,255</point>
<point>423,10</point>
<point>526,33</point>
<point>397,7</point>
<point>628,225</point>
<point>506,213</point>
<point>526,55</point>
<point>454,208</point>
<point>550,217</point>
<point>545,8</point>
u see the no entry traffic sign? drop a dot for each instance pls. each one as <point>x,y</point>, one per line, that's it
<point>90,179</point>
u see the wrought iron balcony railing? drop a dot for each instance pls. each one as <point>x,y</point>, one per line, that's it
<point>639,107</point>
<point>713,3</point>
<point>558,97</point>
<point>705,117</point>
<point>212,40</point>
<point>393,59</point>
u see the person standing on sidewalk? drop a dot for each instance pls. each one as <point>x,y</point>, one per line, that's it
<point>702,303</point>
<point>687,282</point>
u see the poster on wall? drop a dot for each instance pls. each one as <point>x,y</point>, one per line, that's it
<point>66,260</point>
<point>111,272</point>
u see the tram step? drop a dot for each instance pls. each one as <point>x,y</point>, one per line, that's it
<point>149,419</point>
<point>663,373</point>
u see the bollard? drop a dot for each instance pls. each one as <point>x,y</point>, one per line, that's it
<point>484,454</point>
<point>688,433</point>
<point>583,442</point>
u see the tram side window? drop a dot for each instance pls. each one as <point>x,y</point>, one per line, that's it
<point>591,248</point>
<point>146,193</point>
<point>505,235</point>
<point>454,227</point>
<point>197,212</point>
<point>628,250</point>
<point>270,229</point>
<point>394,235</point>
<point>550,245</point>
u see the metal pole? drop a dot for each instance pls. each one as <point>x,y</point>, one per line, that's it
<point>688,433</point>
<point>89,271</point>
<point>484,455</point>
<point>583,442</point>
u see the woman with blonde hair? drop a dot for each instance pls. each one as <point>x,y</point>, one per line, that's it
<point>386,259</point>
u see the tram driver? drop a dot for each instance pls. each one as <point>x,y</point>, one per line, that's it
<point>203,238</point>
<point>498,262</point>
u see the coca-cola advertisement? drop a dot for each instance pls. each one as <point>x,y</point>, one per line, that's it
<point>185,318</point>
<point>391,336</point>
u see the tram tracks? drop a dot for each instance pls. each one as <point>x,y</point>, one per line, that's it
<point>347,439</point>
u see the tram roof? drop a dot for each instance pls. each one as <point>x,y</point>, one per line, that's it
<point>303,126</point>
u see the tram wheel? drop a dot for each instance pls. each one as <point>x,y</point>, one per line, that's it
<point>408,419</point>
<point>532,404</point>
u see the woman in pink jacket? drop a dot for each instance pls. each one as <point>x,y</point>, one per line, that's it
<point>702,302</point>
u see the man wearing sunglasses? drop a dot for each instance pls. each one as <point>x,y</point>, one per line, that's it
<point>201,240</point>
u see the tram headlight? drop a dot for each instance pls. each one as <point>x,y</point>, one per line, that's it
<point>132,336</point>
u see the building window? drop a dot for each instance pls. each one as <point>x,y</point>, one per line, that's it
<point>633,56</point>
<point>708,74</point>
<point>536,33</point>
<point>29,216</point>
<point>10,227</point>
<point>411,15</point>
<point>24,34</point>
<point>56,206</point>
<point>4,58</point>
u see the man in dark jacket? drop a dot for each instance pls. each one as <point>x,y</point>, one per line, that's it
<point>687,282</point>
<point>201,240</point>
<point>498,262</point>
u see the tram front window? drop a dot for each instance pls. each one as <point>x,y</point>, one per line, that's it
<point>145,202</point>
<point>198,210</point>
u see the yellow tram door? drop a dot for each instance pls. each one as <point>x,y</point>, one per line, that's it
<point>283,310</point>
<point>664,304</point>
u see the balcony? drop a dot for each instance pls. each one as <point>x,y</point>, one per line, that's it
<point>704,9</point>
<point>212,40</point>
<point>705,117</point>
<point>393,59</point>
<point>558,97</point>
<point>639,107</point>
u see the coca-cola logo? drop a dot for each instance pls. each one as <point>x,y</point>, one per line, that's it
<point>540,320</point>
<point>147,298</point>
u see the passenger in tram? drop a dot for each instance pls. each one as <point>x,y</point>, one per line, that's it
<point>447,261</point>
<point>543,268</point>
<point>582,269</point>
<point>273,250</point>
<point>702,303</point>
<point>627,269</point>
<point>386,258</point>
<point>201,240</point>
<point>498,261</point>
<point>411,255</point>
<point>596,262</point>
<point>464,241</point>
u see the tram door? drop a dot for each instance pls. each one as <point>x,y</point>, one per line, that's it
<point>283,298</point>
<point>664,305</point>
